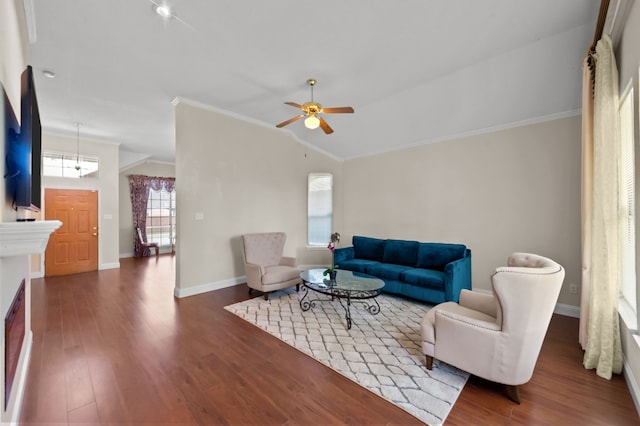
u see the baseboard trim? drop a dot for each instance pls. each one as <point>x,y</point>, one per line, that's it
<point>203,288</point>
<point>632,384</point>
<point>163,250</point>
<point>114,265</point>
<point>567,310</point>
<point>560,309</point>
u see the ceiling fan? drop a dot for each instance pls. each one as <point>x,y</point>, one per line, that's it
<point>311,110</point>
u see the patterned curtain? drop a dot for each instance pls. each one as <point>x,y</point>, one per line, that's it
<point>139,186</point>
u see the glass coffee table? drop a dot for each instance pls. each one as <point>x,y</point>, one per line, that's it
<point>347,287</point>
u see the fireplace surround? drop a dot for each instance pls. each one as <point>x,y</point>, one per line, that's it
<point>14,327</point>
<point>18,241</point>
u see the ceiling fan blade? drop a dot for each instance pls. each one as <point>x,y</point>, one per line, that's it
<point>327,129</point>
<point>337,110</point>
<point>291,120</point>
<point>295,105</point>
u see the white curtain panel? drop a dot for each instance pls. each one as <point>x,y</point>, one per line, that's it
<point>603,350</point>
<point>587,198</point>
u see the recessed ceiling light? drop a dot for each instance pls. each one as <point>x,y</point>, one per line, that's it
<point>164,11</point>
<point>49,74</point>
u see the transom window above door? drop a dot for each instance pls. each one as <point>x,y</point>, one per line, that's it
<point>67,165</point>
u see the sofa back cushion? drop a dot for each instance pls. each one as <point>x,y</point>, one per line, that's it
<point>437,255</point>
<point>368,248</point>
<point>400,252</point>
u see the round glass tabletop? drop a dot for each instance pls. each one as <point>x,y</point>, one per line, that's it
<point>345,280</point>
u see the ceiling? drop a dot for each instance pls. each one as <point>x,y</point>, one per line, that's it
<point>415,71</point>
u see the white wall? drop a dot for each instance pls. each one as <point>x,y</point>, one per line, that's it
<point>148,168</point>
<point>242,177</point>
<point>14,56</point>
<point>106,184</point>
<point>497,193</point>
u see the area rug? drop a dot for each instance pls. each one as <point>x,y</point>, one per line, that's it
<point>380,352</point>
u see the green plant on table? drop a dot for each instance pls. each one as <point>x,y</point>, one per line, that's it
<point>335,239</point>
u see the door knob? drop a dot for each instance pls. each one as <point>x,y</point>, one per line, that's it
<point>95,234</point>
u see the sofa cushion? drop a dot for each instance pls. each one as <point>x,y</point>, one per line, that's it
<point>424,278</point>
<point>400,252</point>
<point>357,265</point>
<point>437,255</point>
<point>387,270</point>
<point>368,248</point>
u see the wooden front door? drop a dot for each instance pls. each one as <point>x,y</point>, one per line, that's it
<point>73,247</point>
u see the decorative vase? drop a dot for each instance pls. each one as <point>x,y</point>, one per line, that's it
<point>332,275</point>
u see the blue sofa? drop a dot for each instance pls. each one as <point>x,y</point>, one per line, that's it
<point>430,272</point>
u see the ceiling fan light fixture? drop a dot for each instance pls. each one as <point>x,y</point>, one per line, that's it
<point>311,122</point>
<point>164,11</point>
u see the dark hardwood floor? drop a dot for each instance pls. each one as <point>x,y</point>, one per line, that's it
<point>115,347</point>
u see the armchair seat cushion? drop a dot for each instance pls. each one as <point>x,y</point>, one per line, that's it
<point>278,273</point>
<point>387,271</point>
<point>427,278</point>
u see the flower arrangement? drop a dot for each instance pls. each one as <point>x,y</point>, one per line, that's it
<point>331,271</point>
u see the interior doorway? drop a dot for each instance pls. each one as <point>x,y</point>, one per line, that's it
<point>73,247</point>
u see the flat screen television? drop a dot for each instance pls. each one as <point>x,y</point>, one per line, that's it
<point>24,149</point>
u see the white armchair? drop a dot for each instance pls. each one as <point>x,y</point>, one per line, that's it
<point>497,336</point>
<point>265,266</point>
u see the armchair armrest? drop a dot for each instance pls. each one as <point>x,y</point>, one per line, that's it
<point>342,254</point>
<point>482,302</point>
<point>467,318</point>
<point>254,274</point>
<point>457,276</point>
<point>467,339</point>
<point>288,261</point>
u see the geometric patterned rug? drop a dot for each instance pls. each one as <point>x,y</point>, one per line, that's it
<point>381,352</point>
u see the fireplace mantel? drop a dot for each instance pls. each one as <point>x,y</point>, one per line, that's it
<point>25,238</point>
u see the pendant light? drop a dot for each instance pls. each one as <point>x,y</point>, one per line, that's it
<point>78,149</point>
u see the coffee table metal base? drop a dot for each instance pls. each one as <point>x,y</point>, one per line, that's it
<point>348,296</point>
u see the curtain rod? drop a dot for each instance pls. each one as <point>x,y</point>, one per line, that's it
<point>602,17</point>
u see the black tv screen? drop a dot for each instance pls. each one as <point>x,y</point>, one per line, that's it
<point>24,155</point>
<point>31,128</point>
<point>14,150</point>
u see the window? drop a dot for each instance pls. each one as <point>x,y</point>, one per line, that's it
<point>319,209</point>
<point>67,165</point>
<point>626,200</point>
<point>161,217</point>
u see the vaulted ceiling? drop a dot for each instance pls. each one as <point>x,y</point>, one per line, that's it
<point>415,71</point>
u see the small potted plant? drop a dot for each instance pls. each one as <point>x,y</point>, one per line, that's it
<point>332,271</point>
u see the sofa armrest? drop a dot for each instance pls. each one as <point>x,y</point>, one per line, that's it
<point>342,254</point>
<point>254,274</point>
<point>288,261</point>
<point>457,276</point>
<point>481,302</point>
